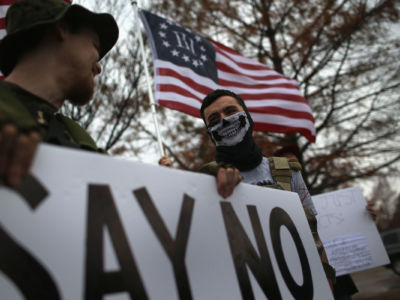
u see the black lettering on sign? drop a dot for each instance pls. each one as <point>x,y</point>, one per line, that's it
<point>102,212</point>
<point>175,249</point>
<point>278,218</point>
<point>32,191</point>
<point>31,278</point>
<point>244,254</point>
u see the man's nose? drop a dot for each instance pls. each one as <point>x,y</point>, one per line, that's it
<point>223,115</point>
<point>97,69</point>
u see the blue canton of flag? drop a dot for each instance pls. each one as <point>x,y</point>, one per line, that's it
<point>181,46</point>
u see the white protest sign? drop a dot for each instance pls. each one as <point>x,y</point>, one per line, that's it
<point>96,227</point>
<point>350,237</point>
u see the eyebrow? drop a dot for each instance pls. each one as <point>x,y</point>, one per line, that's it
<point>230,107</point>
<point>225,110</point>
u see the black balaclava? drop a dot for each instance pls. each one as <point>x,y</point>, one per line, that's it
<point>233,135</point>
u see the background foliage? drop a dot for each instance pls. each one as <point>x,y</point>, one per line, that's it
<point>344,54</point>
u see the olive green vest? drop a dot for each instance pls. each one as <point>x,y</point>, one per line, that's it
<point>12,110</point>
<point>281,171</point>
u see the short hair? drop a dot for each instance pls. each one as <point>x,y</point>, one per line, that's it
<point>216,94</point>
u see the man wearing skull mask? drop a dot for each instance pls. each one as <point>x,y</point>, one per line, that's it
<point>230,127</point>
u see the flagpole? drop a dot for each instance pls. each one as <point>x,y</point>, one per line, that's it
<point>146,70</point>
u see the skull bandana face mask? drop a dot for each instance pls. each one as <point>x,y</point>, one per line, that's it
<point>231,130</point>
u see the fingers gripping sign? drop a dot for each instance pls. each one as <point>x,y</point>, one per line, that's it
<point>17,151</point>
<point>165,161</point>
<point>371,210</point>
<point>227,180</point>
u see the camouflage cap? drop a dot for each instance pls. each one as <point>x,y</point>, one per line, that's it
<point>25,15</point>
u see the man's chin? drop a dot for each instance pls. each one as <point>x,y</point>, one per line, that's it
<point>80,101</point>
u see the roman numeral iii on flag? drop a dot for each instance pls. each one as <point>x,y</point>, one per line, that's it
<point>188,67</point>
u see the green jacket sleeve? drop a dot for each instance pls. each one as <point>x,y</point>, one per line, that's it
<point>12,111</point>
<point>212,168</point>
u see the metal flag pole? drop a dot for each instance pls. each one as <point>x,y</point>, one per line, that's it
<point>146,70</point>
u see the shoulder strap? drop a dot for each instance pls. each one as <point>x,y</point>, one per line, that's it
<point>294,164</point>
<point>78,134</point>
<point>312,222</point>
<point>281,171</point>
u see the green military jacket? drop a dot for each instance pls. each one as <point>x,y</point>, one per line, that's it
<point>29,112</point>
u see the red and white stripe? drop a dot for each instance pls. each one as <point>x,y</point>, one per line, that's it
<point>4,5</point>
<point>274,101</point>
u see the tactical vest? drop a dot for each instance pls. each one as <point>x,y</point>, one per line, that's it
<point>15,112</point>
<point>281,171</point>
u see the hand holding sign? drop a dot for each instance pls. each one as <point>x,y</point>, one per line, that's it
<point>348,232</point>
<point>17,151</point>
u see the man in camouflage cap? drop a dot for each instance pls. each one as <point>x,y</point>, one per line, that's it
<point>50,54</point>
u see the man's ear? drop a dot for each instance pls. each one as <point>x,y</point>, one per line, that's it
<point>61,30</point>
<point>209,134</point>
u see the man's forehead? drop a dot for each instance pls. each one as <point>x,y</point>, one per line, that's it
<point>220,105</point>
<point>91,34</point>
<point>223,101</point>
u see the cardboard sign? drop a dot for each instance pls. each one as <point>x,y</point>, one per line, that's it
<point>350,237</point>
<point>88,226</point>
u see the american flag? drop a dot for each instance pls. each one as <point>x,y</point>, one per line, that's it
<point>188,67</point>
<point>4,5</point>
